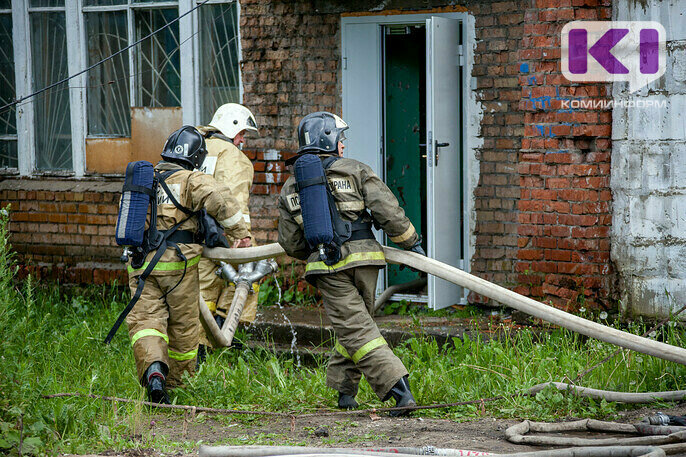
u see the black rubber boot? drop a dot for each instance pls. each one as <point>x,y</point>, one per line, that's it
<point>346,401</point>
<point>402,396</point>
<point>202,356</point>
<point>156,383</point>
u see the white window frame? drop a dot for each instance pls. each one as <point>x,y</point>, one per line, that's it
<point>77,60</point>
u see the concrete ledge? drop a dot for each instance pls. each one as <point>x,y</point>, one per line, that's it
<point>62,185</point>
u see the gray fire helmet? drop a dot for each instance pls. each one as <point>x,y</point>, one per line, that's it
<point>319,133</point>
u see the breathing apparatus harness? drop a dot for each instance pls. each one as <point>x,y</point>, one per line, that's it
<point>325,230</point>
<point>131,228</point>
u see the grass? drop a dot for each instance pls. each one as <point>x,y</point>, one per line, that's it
<point>52,342</point>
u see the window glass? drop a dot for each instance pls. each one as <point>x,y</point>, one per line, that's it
<point>103,2</point>
<point>108,83</point>
<point>8,119</point>
<point>52,118</point>
<point>39,3</point>
<point>5,4</point>
<point>219,82</point>
<point>158,70</point>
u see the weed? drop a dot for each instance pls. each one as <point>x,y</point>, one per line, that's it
<point>294,290</point>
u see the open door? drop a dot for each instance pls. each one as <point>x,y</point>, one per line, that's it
<point>443,154</point>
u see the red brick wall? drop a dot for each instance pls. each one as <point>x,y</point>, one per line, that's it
<point>291,58</point>
<point>64,230</point>
<point>564,166</point>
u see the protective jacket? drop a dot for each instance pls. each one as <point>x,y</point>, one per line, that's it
<point>231,168</point>
<point>195,191</point>
<point>164,323</point>
<point>356,189</point>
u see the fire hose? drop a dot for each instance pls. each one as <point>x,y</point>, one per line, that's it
<point>272,451</point>
<point>248,274</point>
<point>481,286</point>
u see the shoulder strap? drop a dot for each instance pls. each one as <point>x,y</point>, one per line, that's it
<point>161,178</point>
<point>220,136</point>
<point>328,161</point>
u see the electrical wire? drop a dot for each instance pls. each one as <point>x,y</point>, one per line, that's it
<point>15,102</point>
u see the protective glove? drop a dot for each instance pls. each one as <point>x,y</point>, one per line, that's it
<point>417,247</point>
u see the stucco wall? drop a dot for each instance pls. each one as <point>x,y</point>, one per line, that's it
<point>649,174</point>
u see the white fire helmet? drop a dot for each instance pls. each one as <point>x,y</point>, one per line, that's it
<point>231,118</point>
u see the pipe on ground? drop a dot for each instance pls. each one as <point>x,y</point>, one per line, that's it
<point>488,289</point>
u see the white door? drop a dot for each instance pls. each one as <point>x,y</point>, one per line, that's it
<point>443,158</point>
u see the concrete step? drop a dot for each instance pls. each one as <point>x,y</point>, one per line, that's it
<point>313,329</point>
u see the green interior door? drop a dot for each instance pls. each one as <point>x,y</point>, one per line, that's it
<point>405,108</point>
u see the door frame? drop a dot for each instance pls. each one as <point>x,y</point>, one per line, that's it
<point>470,108</point>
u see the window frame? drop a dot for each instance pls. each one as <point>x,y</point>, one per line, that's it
<point>77,60</point>
<point>10,137</point>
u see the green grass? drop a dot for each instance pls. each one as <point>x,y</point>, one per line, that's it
<point>52,342</point>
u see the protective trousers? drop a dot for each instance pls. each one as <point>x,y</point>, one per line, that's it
<point>166,329</point>
<point>360,349</point>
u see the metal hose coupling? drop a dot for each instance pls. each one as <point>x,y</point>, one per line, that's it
<point>258,271</point>
<point>228,272</point>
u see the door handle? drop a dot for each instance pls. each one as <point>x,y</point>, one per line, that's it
<point>439,145</point>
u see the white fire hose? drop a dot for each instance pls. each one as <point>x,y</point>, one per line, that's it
<point>488,289</point>
<point>248,273</point>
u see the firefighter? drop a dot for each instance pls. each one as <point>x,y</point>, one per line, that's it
<point>164,323</point>
<point>230,167</point>
<point>348,286</point>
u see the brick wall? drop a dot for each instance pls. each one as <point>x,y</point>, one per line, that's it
<point>291,59</point>
<point>565,201</point>
<point>64,230</point>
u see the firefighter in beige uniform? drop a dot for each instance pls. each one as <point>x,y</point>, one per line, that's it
<point>230,167</point>
<point>164,323</point>
<point>348,287</point>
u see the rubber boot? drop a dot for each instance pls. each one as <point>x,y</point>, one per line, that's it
<point>202,356</point>
<point>156,383</point>
<point>402,396</point>
<point>346,401</point>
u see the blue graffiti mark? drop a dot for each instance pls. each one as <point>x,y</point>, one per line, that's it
<point>524,68</point>
<point>559,151</point>
<point>531,81</point>
<point>546,131</point>
<point>542,103</point>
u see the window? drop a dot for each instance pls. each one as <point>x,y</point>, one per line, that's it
<point>158,69</point>
<point>108,84</point>
<point>155,62</point>
<point>49,62</point>
<point>219,78</point>
<point>192,64</point>
<point>8,119</point>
